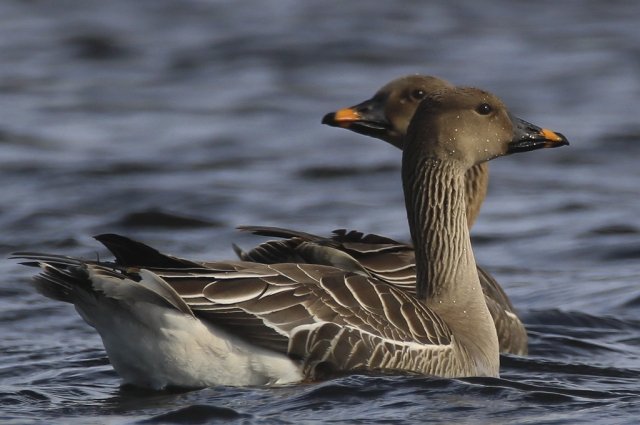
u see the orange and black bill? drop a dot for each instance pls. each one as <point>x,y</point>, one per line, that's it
<point>529,137</point>
<point>366,118</point>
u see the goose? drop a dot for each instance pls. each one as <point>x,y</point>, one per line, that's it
<point>386,116</point>
<point>171,322</point>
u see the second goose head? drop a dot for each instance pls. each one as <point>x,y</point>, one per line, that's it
<point>387,114</point>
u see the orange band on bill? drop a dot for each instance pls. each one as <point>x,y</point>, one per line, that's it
<point>551,135</point>
<point>346,114</point>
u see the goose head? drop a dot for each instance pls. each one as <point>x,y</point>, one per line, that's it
<point>388,113</point>
<point>471,126</point>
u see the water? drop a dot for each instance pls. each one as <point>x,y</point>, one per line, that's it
<point>175,121</point>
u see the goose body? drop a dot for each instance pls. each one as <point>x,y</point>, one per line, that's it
<point>192,324</point>
<point>167,321</point>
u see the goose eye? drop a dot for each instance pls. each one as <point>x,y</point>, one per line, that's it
<point>418,94</point>
<point>484,109</point>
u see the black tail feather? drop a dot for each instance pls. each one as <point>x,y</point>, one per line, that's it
<point>130,253</point>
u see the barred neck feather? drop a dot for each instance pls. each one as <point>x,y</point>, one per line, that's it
<point>445,267</point>
<point>435,197</point>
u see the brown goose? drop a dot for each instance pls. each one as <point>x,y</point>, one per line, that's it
<point>165,321</point>
<point>386,116</point>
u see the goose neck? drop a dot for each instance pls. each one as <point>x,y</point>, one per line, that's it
<point>447,277</point>
<point>436,209</point>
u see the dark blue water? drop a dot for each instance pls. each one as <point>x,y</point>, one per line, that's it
<point>175,121</point>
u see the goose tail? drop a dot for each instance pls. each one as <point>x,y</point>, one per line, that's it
<point>59,277</point>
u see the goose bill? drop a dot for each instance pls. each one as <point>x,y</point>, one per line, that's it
<point>365,118</point>
<point>528,137</point>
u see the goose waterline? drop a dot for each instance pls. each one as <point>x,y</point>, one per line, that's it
<point>166,321</point>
